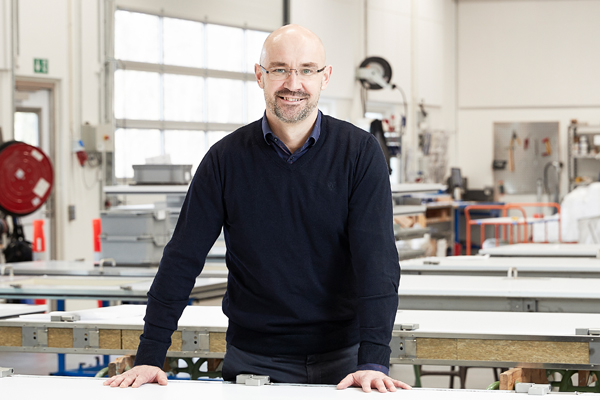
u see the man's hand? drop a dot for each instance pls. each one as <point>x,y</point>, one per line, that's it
<point>372,379</point>
<point>137,376</point>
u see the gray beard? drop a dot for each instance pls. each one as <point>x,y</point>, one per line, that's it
<point>280,114</point>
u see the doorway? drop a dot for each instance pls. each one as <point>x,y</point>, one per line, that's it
<point>34,125</point>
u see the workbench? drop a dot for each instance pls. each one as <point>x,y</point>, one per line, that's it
<point>544,250</point>
<point>31,387</point>
<point>533,340</point>
<point>14,310</point>
<point>95,287</point>
<point>88,268</point>
<point>562,267</point>
<point>418,290</point>
<point>495,293</point>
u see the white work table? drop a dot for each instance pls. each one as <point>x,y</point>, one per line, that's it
<point>565,267</point>
<point>537,340</point>
<point>31,387</point>
<point>495,293</point>
<point>95,287</point>
<point>544,250</point>
<point>409,188</point>
<point>88,268</point>
<point>14,310</point>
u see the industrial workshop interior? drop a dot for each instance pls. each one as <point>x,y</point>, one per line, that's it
<point>151,148</point>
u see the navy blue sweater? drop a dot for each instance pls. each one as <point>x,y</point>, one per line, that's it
<point>312,262</point>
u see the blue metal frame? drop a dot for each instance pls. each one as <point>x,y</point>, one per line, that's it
<point>460,210</point>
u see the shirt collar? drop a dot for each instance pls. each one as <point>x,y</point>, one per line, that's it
<point>316,132</point>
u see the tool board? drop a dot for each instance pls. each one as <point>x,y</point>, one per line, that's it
<point>521,151</point>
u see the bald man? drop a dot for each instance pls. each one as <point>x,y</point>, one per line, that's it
<point>305,205</point>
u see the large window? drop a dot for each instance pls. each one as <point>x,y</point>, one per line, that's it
<point>180,86</point>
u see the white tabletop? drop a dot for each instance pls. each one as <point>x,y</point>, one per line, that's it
<point>482,324</point>
<point>31,387</point>
<point>212,269</point>
<point>486,265</point>
<point>13,310</point>
<point>496,293</point>
<point>408,188</point>
<point>94,287</point>
<point>514,220</point>
<point>438,322</point>
<point>146,189</point>
<point>129,315</point>
<point>492,286</point>
<point>544,250</point>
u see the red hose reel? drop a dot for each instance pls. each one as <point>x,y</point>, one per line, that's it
<point>26,178</point>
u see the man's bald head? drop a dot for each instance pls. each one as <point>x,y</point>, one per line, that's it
<point>292,38</point>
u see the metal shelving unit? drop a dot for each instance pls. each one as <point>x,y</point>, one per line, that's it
<point>575,157</point>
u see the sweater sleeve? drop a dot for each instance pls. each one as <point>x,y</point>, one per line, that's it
<point>200,223</point>
<point>374,254</point>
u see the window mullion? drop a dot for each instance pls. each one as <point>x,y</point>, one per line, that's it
<point>161,60</point>
<point>245,86</point>
<point>205,94</point>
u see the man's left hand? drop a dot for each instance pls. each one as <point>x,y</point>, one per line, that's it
<point>372,379</point>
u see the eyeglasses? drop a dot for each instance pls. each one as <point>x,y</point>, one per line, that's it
<point>279,73</point>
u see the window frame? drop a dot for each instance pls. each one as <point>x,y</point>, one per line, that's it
<point>166,125</point>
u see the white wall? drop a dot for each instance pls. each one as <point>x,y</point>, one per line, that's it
<point>526,60</point>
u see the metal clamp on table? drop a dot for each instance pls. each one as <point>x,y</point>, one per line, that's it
<point>252,380</point>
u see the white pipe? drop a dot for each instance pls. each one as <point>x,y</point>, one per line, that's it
<point>412,120</point>
<point>14,51</point>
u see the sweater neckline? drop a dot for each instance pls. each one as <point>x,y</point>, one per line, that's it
<point>276,159</point>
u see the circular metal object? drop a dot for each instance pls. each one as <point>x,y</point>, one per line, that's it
<point>26,178</point>
<point>381,66</point>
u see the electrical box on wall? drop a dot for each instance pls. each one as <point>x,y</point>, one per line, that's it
<point>97,138</point>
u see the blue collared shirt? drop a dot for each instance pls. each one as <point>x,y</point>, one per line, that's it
<point>282,149</point>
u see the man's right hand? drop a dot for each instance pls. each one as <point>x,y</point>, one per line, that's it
<point>137,376</point>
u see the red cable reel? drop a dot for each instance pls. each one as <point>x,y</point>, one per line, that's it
<point>26,178</point>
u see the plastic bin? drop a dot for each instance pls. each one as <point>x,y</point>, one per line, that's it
<point>135,222</point>
<point>134,250</point>
<point>160,174</point>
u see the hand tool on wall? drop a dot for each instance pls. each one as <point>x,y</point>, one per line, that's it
<point>548,152</point>
<point>511,151</point>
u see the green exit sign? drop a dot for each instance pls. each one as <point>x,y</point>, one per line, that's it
<point>40,65</point>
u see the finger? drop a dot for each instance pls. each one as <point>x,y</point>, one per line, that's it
<point>366,385</point>
<point>380,385</point>
<point>402,385</point>
<point>127,382</point>
<point>346,382</point>
<point>108,381</point>
<point>162,378</point>
<point>117,381</point>
<point>139,381</point>
<point>390,384</point>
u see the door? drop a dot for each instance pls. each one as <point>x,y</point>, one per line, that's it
<point>32,125</point>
